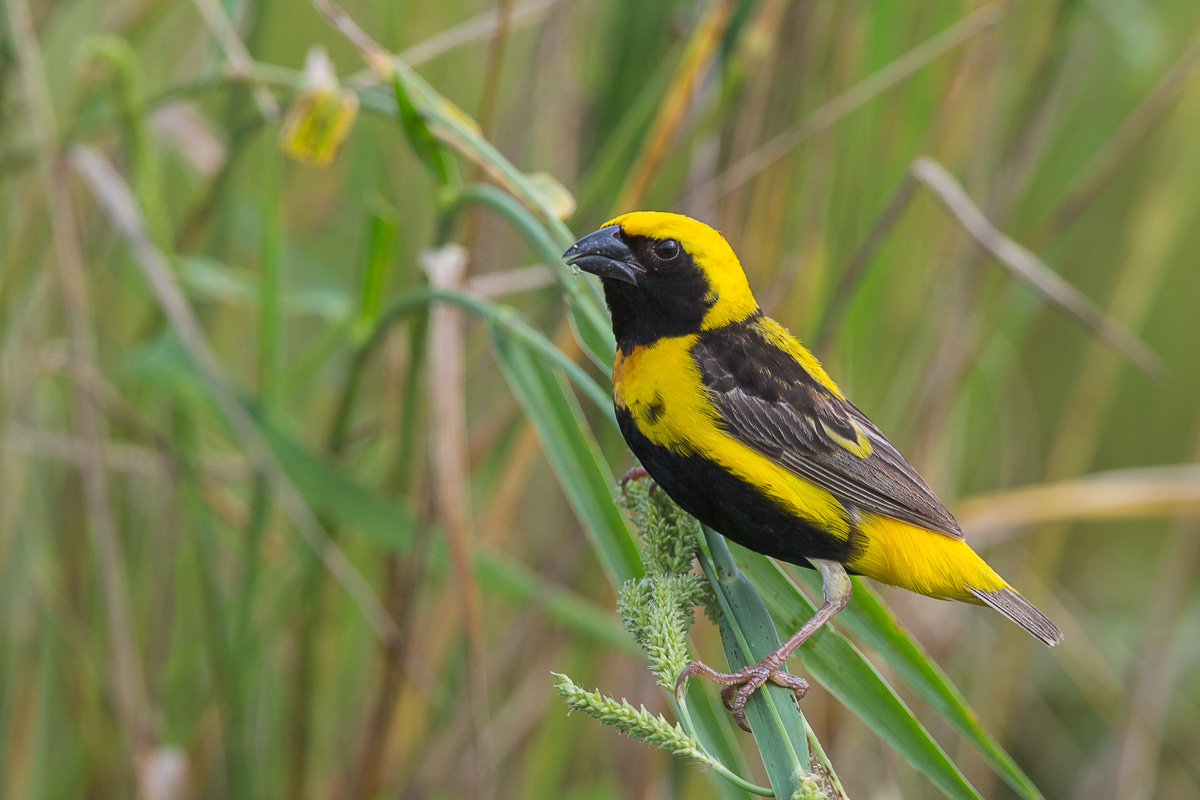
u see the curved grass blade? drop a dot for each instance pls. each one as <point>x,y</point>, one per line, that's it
<point>588,319</point>
<point>572,453</point>
<point>457,130</point>
<point>431,121</point>
<point>505,321</point>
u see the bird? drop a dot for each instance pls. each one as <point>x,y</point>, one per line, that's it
<point>740,425</point>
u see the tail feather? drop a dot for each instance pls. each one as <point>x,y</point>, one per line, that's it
<point>937,565</point>
<point>1022,612</point>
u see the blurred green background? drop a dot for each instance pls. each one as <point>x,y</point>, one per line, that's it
<point>166,630</point>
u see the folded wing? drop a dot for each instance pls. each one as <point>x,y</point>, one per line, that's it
<point>774,406</point>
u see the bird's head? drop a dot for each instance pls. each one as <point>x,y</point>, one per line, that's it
<point>664,275</point>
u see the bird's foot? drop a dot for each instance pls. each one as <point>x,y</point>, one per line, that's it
<point>741,684</point>
<point>638,474</point>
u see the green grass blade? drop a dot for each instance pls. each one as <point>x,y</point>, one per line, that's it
<point>572,453</point>
<point>428,149</point>
<point>841,668</point>
<point>391,525</point>
<point>717,732</point>
<point>450,125</point>
<point>588,319</point>
<point>271,346</point>
<point>748,635</point>
<point>381,246</point>
<point>508,323</point>
<point>329,492</point>
<point>431,121</point>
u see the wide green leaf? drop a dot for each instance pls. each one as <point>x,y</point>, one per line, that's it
<point>748,635</point>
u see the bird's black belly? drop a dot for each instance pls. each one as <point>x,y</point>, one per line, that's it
<point>730,505</point>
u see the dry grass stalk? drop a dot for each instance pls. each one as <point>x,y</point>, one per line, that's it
<point>446,268</point>
<point>126,679</point>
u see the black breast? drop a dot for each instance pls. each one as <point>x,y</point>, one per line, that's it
<point>729,505</point>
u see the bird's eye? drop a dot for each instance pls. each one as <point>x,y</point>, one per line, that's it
<point>667,249</point>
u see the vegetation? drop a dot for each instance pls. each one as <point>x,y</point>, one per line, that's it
<point>306,453</point>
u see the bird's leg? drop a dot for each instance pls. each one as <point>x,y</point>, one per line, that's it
<point>741,684</point>
<point>636,474</point>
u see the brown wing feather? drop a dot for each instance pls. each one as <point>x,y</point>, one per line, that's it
<point>768,401</point>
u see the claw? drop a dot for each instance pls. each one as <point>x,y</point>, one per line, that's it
<point>741,684</point>
<point>727,696</point>
<point>637,474</point>
<point>738,686</point>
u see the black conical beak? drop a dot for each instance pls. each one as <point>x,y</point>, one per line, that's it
<point>604,254</point>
